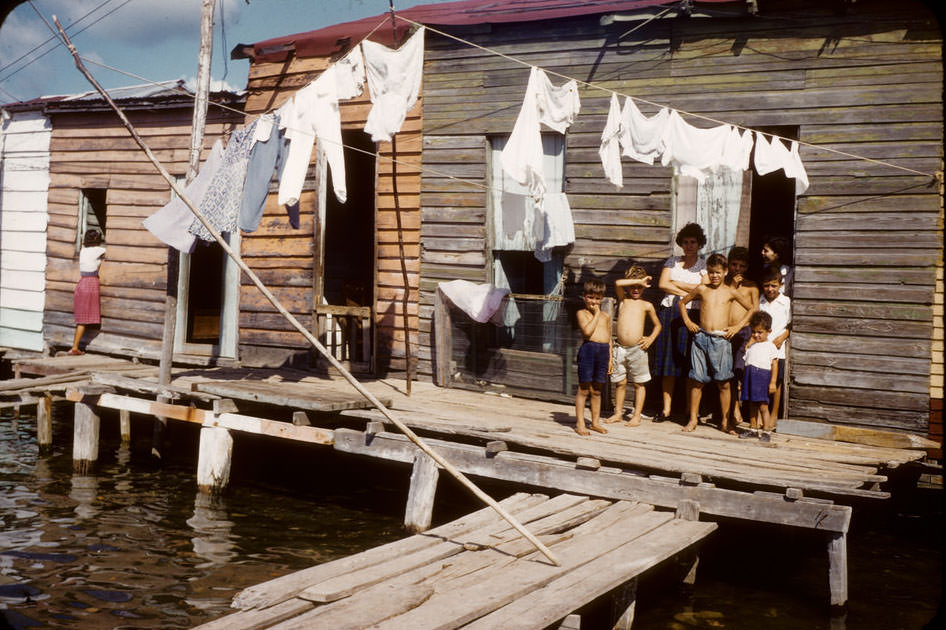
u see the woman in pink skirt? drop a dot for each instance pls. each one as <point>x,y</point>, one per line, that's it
<point>86,297</point>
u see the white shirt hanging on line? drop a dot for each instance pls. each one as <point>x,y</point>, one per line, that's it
<point>693,151</point>
<point>559,226</point>
<point>642,136</point>
<point>394,78</point>
<point>770,157</point>
<point>610,150</point>
<point>555,107</point>
<point>313,113</point>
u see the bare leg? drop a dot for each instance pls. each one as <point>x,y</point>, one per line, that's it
<point>724,400</point>
<point>736,406</point>
<point>768,420</point>
<point>80,330</point>
<point>754,418</point>
<point>666,387</point>
<point>776,398</point>
<point>620,390</point>
<point>696,394</point>
<point>640,393</point>
<point>580,397</point>
<point>596,408</point>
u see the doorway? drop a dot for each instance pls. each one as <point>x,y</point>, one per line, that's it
<point>208,301</point>
<point>772,207</point>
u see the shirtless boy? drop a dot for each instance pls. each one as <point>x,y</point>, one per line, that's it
<point>711,352</point>
<point>736,278</point>
<point>594,356</point>
<point>629,357</point>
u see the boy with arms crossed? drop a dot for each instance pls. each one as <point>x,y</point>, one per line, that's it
<point>594,356</point>
<point>711,352</point>
<point>779,306</point>
<point>736,278</point>
<point>630,352</point>
<point>759,380</point>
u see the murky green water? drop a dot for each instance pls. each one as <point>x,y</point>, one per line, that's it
<point>136,546</point>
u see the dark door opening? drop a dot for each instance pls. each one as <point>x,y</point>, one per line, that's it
<point>772,207</point>
<point>205,294</point>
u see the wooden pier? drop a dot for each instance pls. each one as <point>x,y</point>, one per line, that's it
<point>477,572</point>
<point>792,481</point>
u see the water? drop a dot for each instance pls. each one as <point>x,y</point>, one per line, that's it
<point>136,546</point>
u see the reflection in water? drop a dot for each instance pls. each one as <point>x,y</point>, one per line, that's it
<point>84,490</point>
<point>214,540</point>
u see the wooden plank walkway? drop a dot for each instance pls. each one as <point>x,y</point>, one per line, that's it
<point>475,572</point>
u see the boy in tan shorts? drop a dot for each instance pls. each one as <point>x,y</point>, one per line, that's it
<point>629,358</point>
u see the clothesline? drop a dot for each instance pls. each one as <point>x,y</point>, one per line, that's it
<point>635,98</point>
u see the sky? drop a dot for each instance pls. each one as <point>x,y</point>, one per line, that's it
<point>155,39</point>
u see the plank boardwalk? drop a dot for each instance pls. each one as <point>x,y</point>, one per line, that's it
<point>475,572</point>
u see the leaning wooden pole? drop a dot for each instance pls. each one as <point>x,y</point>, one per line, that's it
<point>413,437</point>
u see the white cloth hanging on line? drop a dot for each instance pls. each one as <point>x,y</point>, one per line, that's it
<point>610,150</point>
<point>737,149</point>
<point>313,113</point>
<point>770,157</point>
<point>642,136</point>
<point>394,78</point>
<point>171,222</point>
<point>556,108</point>
<point>693,151</point>
<point>559,226</point>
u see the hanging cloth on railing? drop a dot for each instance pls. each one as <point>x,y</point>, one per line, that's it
<point>394,78</point>
<point>479,301</point>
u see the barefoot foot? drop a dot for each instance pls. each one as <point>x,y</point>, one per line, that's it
<point>635,421</point>
<point>615,418</point>
<point>597,427</point>
<point>581,430</point>
<point>690,427</point>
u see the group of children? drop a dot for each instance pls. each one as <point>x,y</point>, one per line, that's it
<point>738,342</point>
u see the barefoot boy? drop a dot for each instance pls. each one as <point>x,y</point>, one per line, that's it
<point>711,353</point>
<point>630,353</point>
<point>779,306</point>
<point>736,278</point>
<point>759,381</point>
<point>594,356</point>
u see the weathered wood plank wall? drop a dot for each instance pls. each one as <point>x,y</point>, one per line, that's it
<point>868,237</point>
<point>91,149</point>
<point>287,255</point>
<point>24,182</point>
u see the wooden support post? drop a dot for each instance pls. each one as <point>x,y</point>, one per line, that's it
<point>124,425</point>
<point>571,622</point>
<point>625,604</point>
<point>17,375</point>
<point>301,419</point>
<point>689,560</point>
<point>837,568</point>
<point>157,432</point>
<point>44,422</point>
<point>213,460</point>
<point>420,498</point>
<point>85,439</point>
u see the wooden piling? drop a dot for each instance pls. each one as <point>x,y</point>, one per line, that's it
<point>44,422</point>
<point>420,497</point>
<point>124,425</point>
<point>85,438</point>
<point>625,605</point>
<point>213,461</point>
<point>837,568</point>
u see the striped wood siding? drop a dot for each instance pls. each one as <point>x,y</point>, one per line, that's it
<point>867,236</point>
<point>286,256</point>
<point>24,181</point>
<point>93,150</point>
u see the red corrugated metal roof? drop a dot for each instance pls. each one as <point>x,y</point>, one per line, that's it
<point>339,37</point>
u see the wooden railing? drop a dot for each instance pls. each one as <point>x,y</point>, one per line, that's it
<point>344,329</point>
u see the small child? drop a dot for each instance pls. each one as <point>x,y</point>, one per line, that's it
<point>736,278</point>
<point>711,352</point>
<point>779,306</point>
<point>86,296</point>
<point>759,380</point>
<point>774,254</point>
<point>594,356</point>
<point>629,357</point>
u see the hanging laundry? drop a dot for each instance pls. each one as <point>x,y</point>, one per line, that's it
<point>220,205</point>
<point>313,113</point>
<point>268,153</point>
<point>737,150</point>
<point>770,157</point>
<point>693,151</point>
<point>641,136</point>
<point>521,228</point>
<point>610,150</point>
<point>559,226</point>
<point>171,222</point>
<point>556,108</point>
<point>479,301</point>
<point>394,78</point>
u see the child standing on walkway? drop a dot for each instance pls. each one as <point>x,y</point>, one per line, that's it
<point>759,380</point>
<point>711,352</point>
<point>594,356</point>
<point>738,280</point>
<point>86,296</point>
<point>629,358</point>
<point>779,306</point>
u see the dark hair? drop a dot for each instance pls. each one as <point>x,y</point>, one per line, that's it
<point>594,286</point>
<point>779,245</point>
<point>770,273</point>
<point>691,230</point>
<point>739,253</point>
<point>92,238</point>
<point>635,272</point>
<point>761,318</point>
<point>716,260</point>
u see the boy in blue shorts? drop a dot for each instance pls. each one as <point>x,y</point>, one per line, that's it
<point>594,356</point>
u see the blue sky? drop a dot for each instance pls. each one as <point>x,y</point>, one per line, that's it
<point>154,39</point>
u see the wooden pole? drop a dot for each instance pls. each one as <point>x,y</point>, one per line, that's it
<point>413,437</point>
